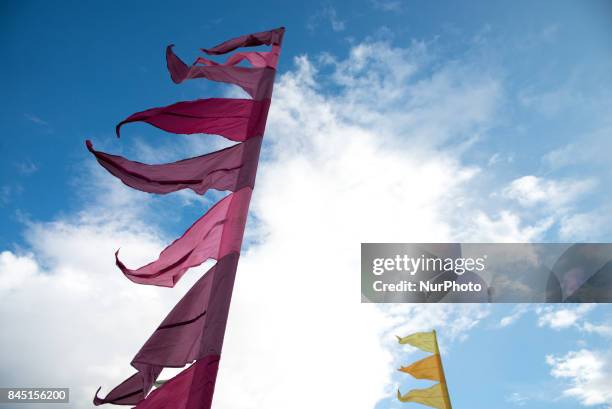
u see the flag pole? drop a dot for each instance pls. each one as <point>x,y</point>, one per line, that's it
<point>445,394</point>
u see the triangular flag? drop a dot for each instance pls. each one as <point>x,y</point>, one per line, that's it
<point>433,396</point>
<point>422,340</point>
<point>427,368</point>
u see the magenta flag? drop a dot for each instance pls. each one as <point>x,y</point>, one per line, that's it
<point>214,235</point>
<point>235,119</point>
<point>191,389</point>
<point>271,37</point>
<point>227,169</point>
<point>193,330</point>
<point>256,59</point>
<point>257,82</point>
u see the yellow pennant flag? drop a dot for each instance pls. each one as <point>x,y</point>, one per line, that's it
<point>427,368</point>
<point>433,396</point>
<point>422,340</point>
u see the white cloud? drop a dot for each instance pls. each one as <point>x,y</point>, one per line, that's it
<point>26,167</point>
<point>563,156</point>
<point>591,226</point>
<point>35,119</point>
<point>588,150</point>
<point>532,190</point>
<point>376,160</point>
<point>516,314</point>
<point>589,373</point>
<point>328,14</point>
<point>388,5</point>
<point>562,317</point>
<point>75,321</point>
<point>551,102</point>
<point>343,168</point>
<point>518,399</point>
<point>508,227</point>
<point>599,329</point>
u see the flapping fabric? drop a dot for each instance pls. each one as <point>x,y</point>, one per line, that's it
<point>214,235</point>
<point>271,37</point>
<point>426,368</point>
<point>129,392</point>
<point>256,59</point>
<point>425,341</point>
<point>228,169</point>
<point>235,119</point>
<point>257,82</point>
<point>436,396</point>
<point>193,330</point>
<point>191,389</point>
<point>432,396</point>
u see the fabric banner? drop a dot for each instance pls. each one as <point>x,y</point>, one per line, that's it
<point>425,341</point>
<point>191,389</point>
<point>216,234</point>
<point>432,396</point>
<point>234,119</point>
<point>257,82</point>
<point>271,37</point>
<point>426,368</point>
<point>193,330</point>
<point>256,59</point>
<point>227,169</point>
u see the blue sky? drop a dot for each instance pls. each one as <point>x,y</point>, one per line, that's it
<point>77,69</point>
<point>497,114</point>
<point>506,366</point>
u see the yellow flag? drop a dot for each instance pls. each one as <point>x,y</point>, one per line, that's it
<point>433,396</point>
<point>422,340</point>
<point>426,368</point>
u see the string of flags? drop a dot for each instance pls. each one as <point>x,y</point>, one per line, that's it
<point>430,368</point>
<point>192,333</point>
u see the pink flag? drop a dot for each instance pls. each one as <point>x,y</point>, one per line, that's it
<point>235,119</point>
<point>193,330</point>
<point>191,389</point>
<point>273,37</point>
<point>257,82</point>
<point>228,169</point>
<point>214,235</point>
<point>256,59</point>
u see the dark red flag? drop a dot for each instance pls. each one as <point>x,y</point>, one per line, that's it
<point>214,235</point>
<point>228,169</point>
<point>193,330</point>
<point>235,119</point>
<point>257,82</point>
<point>191,389</point>
<point>271,37</point>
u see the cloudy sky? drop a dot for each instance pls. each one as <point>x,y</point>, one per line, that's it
<point>392,121</point>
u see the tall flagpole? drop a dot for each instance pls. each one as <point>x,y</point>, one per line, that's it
<point>445,395</point>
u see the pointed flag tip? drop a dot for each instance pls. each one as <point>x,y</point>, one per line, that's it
<point>96,400</point>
